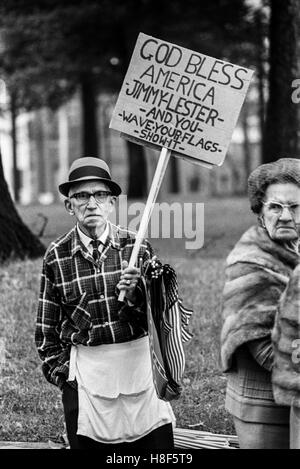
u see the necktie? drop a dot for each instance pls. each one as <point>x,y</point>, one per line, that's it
<point>96,254</point>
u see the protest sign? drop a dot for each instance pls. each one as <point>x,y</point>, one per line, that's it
<point>179,99</point>
<point>180,102</point>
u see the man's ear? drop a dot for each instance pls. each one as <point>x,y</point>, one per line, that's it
<point>68,206</point>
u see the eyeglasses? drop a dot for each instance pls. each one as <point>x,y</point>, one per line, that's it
<point>84,197</point>
<point>277,208</point>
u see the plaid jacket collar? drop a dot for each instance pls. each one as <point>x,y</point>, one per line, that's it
<point>113,240</point>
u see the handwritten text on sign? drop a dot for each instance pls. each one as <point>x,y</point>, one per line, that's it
<point>180,99</point>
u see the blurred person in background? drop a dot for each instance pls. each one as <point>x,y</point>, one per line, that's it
<point>258,270</point>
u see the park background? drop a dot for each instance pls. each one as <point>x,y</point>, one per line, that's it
<point>63,65</point>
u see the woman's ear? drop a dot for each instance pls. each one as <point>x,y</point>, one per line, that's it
<point>68,206</point>
<point>261,221</point>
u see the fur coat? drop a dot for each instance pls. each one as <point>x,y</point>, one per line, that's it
<point>258,270</point>
<point>286,344</point>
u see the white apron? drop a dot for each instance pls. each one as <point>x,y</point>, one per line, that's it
<point>116,396</point>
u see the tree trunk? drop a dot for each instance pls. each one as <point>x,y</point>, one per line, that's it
<point>137,165</point>
<point>246,145</point>
<point>282,121</point>
<point>261,77</point>
<point>89,115</point>
<point>137,175</point>
<point>174,178</point>
<point>261,104</point>
<point>16,240</point>
<point>63,143</point>
<point>16,174</point>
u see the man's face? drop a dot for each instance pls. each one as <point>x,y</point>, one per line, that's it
<point>282,225</point>
<point>91,215</point>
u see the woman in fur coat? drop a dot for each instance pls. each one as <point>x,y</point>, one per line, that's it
<point>258,270</point>
<point>286,345</point>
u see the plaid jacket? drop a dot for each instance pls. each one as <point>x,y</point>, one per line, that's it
<point>78,301</point>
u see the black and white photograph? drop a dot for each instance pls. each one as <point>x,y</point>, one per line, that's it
<point>149,228</point>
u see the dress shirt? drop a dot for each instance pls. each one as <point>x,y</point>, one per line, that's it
<point>86,240</point>
<point>78,302</point>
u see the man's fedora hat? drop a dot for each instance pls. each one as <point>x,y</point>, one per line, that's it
<point>85,169</point>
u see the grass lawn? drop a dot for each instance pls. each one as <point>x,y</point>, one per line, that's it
<point>31,409</point>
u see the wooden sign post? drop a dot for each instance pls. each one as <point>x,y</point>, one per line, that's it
<point>179,102</point>
<point>155,186</point>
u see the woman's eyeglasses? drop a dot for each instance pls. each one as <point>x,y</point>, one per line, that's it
<point>84,197</point>
<point>277,208</point>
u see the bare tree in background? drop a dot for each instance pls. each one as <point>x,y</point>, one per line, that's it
<point>282,115</point>
<point>16,240</point>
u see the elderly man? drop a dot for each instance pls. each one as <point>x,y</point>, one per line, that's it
<point>99,359</point>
